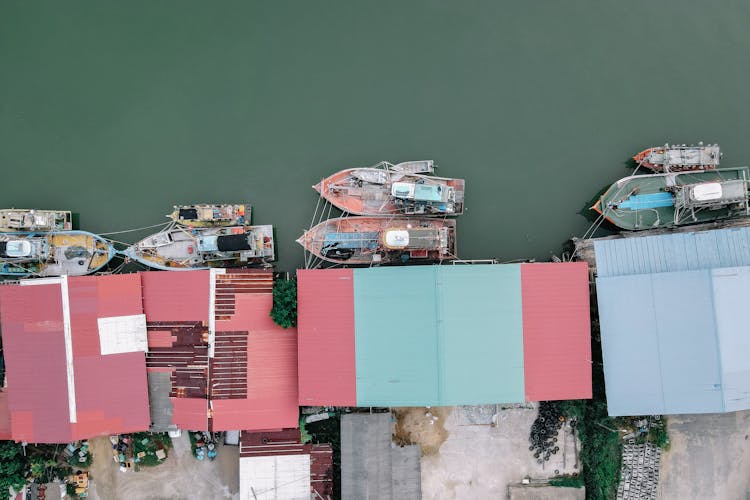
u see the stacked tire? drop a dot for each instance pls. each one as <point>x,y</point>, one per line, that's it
<point>544,430</point>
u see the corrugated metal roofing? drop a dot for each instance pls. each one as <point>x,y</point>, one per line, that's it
<point>84,393</point>
<point>397,343</point>
<point>170,296</point>
<point>325,307</point>
<point>437,335</point>
<point>480,323</point>
<point>371,467</point>
<point>679,298</point>
<point>673,252</point>
<point>177,309</point>
<point>275,477</point>
<point>556,331</point>
<point>366,470</point>
<point>660,352</point>
<point>446,335</point>
<point>731,287</point>
<point>271,370</point>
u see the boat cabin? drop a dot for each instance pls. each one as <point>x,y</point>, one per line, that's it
<point>419,192</point>
<point>15,249</point>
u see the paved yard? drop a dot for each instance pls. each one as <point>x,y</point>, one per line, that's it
<point>709,457</point>
<point>180,477</point>
<point>479,461</point>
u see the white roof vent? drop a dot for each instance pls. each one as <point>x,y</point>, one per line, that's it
<point>707,191</point>
<point>397,238</point>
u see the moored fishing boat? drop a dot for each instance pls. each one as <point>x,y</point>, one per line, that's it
<point>381,240</point>
<point>386,189</point>
<point>211,215</point>
<point>21,219</point>
<point>677,198</point>
<point>677,158</point>
<point>179,249</point>
<point>74,253</point>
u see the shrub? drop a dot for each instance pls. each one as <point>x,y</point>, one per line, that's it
<point>284,312</point>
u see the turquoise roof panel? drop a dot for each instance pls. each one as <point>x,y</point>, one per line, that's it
<point>438,335</point>
<point>480,324</point>
<point>396,348</point>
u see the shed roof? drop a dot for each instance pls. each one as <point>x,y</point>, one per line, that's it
<point>670,309</point>
<point>673,354</point>
<point>217,360</point>
<point>426,335</point>
<point>556,325</point>
<point>673,252</point>
<point>275,477</point>
<point>444,335</point>
<point>325,308</point>
<point>68,333</point>
<point>177,310</point>
<point>371,467</point>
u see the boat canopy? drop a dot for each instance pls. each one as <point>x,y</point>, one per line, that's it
<point>233,243</point>
<point>15,248</point>
<point>706,192</point>
<point>351,240</point>
<point>188,213</point>
<point>713,194</point>
<point>419,192</point>
<point>397,238</point>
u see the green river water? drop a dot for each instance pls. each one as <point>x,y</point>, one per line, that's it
<point>117,111</point>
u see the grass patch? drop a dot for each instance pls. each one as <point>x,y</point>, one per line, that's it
<point>567,481</point>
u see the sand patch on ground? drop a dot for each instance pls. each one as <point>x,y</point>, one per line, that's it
<point>422,426</point>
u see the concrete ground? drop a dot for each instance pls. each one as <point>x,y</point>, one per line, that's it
<point>709,457</point>
<point>479,461</point>
<point>180,477</point>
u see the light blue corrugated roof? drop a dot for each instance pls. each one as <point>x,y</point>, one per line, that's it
<point>673,252</point>
<point>425,335</point>
<point>675,342</point>
<point>660,344</point>
<point>731,289</point>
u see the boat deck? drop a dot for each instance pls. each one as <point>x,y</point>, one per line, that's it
<point>66,259</point>
<point>622,208</point>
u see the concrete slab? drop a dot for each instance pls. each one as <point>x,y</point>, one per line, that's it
<point>180,477</point>
<point>709,457</point>
<point>528,492</point>
<point>481,461</point>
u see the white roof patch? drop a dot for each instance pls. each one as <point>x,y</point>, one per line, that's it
<point>120,334</point>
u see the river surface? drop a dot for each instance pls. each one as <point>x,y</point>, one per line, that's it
<point>117,111</point>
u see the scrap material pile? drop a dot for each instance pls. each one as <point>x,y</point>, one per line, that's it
<point>544,430</point>
<point>640,472</point>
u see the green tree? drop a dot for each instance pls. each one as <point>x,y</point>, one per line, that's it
<point>13,466</point>
<point>284,312</point>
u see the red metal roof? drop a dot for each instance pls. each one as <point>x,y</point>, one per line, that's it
<point>109,391</point>
<point>556,331</point>
<point>190,413</point>
<point>325,300</point>
<point>177,308</point>
<point>171,296</point>
<point>265,395</point>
